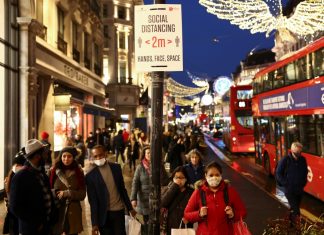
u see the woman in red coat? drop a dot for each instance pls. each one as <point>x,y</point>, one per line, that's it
<point>214,216</point>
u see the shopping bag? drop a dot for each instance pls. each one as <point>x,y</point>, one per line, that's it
<point>183,231</point>
<point>240,228</point>
<point>127,219</point>
<point>134,227</point>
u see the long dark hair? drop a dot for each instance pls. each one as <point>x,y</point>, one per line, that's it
<point>183,171</point>
<point>143,151</point>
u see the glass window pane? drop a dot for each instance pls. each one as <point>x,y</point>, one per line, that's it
<point>320,135</point>
<point>319,62</point>
<point>307,133</point>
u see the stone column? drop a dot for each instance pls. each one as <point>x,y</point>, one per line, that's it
<point>28,79</point>
<point>116,59</point>
<point>129,55</point>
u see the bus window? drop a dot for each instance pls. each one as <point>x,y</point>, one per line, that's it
<point>265,129</point>
<point>272,132</point>
<point>257,85</point>
<point>292,130</point>
<point>290,77</point>
<point>307,133</point>
<point>278,78</point>
<point>267,81</point>
<point>319,62</point>
<point>320,135</point>
<point>301,69</point>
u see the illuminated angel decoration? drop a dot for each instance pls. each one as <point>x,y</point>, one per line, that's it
<point>255,15</point>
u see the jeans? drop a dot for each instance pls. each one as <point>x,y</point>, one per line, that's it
<point>115,223</point>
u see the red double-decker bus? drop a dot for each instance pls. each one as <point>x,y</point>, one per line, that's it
<point>238,128</point>
<point>288,106</point>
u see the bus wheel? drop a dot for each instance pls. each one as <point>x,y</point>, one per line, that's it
<point>267,164</point>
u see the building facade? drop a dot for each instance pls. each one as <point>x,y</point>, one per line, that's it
<point>124,84</point>
<point>9,86</point>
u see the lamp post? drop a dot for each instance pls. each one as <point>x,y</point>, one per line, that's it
<point>156,149</point>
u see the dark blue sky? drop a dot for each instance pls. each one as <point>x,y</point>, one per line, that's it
<point>201,54</point>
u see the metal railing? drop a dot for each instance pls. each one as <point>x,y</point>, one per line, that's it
<point>61,44</point>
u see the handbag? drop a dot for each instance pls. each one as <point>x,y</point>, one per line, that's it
<point>183,231</point>
<point>240,228</point>
<point>134,227</point>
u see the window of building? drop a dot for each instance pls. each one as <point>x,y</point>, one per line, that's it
<point>86,50</point>
<point>121,12</point>
<point>121,40</point>
<point>122,72</point>
<point>105,10</point>
<point>75,34</point>
<point>60,16</point>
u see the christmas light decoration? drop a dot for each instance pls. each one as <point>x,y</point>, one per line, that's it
<point>198,81</point>
<point>183,102</point>
<point>255,15</point>
<point>178,90</point>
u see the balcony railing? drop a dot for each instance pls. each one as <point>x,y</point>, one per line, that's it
<point>61,44</point>
<point>122,80</point>
<point>87,63</point>
<point>76,55</point>
<point>97,69</point>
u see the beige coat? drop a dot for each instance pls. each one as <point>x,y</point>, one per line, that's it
<point>75,195</point>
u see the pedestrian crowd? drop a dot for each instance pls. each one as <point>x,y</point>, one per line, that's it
<point>43,197</point>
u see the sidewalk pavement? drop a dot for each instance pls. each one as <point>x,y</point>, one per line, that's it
<point>86,219</point>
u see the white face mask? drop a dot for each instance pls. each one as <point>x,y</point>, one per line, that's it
<point>214,181</point>
<point>100,162</point>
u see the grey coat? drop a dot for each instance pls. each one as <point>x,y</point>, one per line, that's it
<point>141,190</point>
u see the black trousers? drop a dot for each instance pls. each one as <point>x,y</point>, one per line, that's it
<point>115,223</point>
<point>294,200</point>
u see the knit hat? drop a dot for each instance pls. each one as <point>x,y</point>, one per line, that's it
<point>44,135</point>
<point>70,150</point>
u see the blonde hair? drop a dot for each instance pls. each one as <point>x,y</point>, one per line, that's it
<point>194,152</point>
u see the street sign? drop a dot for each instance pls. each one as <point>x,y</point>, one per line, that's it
<point>158,38</point>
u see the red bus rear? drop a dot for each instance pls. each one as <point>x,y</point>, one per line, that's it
<point>288,106</point>
<point>238,128</point>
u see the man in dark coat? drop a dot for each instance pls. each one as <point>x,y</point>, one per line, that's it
<point>119,145</point>
<point>292,175</point>
<point>107,195</point>
<point>31,200</point>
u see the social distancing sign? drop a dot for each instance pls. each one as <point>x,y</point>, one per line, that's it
<point>158,38</point>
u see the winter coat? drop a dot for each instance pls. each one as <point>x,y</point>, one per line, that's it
<point>194,174</point>
<point>74,210</point>
<point>292,174</point>
<point>90,142</point>
<point>27,200</point>
<point>174,155</point>
<point>216,222</point>
<point>133,153</point>
<point>98,193</point>
<point>141,190</point>
<point>118,143</point>
<point>175,201</point>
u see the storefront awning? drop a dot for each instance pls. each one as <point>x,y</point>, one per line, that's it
<point>97,110</point>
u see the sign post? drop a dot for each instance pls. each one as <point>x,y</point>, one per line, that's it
<point>158,48</point>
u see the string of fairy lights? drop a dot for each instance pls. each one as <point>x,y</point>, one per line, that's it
<point>256,15</point>
<point>183,102</point>
<point>178,90</point>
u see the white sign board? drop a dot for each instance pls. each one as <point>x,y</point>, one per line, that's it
<point>158,38</point>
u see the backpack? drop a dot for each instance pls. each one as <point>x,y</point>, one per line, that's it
<point>286,159</point>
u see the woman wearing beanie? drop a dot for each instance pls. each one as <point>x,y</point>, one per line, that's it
<point>67,181</point>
